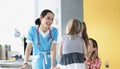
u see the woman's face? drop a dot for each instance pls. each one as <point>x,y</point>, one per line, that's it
<point>90,47</point>
<point>47,20</point>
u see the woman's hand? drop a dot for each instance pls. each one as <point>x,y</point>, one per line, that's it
<point>53,67</point>
<point>24,66</point>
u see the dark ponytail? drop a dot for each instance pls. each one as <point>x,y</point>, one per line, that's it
<point>37,21</point>
<point>43,13</point>
<point>84,34</point>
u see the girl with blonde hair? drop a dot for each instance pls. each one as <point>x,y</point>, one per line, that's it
<point>71,48</point>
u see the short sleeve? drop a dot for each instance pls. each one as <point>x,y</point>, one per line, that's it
<point>55,34</point>
<point>30,35</point>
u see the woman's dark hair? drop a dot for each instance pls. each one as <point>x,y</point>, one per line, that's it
<point>37,21</point>
<point>43,13</point>
<point>84,34</point>
<point>95,45</point>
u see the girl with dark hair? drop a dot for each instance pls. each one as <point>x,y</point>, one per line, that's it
<point>42,38</point>
<point>93,61</point>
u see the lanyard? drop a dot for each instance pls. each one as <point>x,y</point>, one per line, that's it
<point>39,37</point>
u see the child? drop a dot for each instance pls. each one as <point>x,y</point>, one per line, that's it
<point>71,49</point>
<point>93,61</point>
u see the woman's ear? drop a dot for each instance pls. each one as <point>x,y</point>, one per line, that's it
<point>41,18</point>
<point>94,49</point>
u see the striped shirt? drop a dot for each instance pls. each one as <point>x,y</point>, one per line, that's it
<point>94,64</point>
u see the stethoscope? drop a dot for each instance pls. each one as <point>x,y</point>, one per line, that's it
<point>39,37</point>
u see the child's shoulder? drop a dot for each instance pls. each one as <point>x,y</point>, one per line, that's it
<point>65,37</point>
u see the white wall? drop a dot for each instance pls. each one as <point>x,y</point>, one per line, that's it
<point>70,9</point>
<point>15,14</point>
<point>21,14</point>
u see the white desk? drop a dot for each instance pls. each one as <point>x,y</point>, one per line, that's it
<point>7,64</point>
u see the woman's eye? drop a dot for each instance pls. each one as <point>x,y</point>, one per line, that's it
<point>48,18</point>
<point>52,19</point>
<point>88,43</point>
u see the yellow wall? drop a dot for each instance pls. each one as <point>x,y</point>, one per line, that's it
<point>103,23</point>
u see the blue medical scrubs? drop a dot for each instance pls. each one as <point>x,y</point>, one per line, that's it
<point>41,55</point>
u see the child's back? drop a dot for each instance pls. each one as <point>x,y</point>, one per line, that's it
<point>72,44</point>
<point>71,48</point>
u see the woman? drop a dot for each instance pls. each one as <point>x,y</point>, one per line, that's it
<point>42,37</point>
<point>93,61</point>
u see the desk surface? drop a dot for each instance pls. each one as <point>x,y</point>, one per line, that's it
<point>12,64</point>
